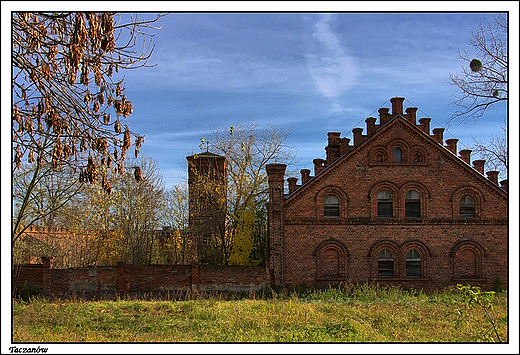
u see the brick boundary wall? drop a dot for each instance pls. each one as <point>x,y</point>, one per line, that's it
<point>125,279</point>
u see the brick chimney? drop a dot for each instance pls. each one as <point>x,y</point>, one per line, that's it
<point>492,175</point>
<point>478,165</point>
<point>504,185</point>
<point>358,135</point>
<point>344,146</point>
<point>384,115</point>
<point>332,154</point>
<point>397,105</point>
<point>451,145</point>
<point>438,135</point>
<point>319,165</point>
<point>292,184</point>
<point>333,138</point>
<point>425,124</point>
<point>411,115</point>
<point>371,125</point>
<point>465,155</point>
<point>305,175</point>
<point>333,147</point>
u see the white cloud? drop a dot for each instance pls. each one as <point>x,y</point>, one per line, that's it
<point>332,69</point>
<point>191,67</point>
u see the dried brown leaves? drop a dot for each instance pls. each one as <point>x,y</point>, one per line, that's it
<point>51,48</point>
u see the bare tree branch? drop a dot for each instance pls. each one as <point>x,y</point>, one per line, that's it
<point>69,99</point>
<point>483,81</point>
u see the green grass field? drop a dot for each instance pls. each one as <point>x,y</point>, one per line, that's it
<point>367,313</point>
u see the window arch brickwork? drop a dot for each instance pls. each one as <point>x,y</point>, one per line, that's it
<point>373,257</point>
<point>379,155</point>
<point>424,197</point>
<point>373,197</point>
<point>321,198</point>
<point>467,260</point>
<point>406,257</point>
<point>403,146</point>
<point>331,261</point>
<point>475,194</point>
<point>418,154</point>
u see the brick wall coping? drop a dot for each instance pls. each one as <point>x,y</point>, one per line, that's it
<point>391,221</point>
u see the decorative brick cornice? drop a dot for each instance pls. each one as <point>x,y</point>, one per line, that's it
<point>392,221</point>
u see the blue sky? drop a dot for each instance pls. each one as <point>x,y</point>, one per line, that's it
<point>307,72</point>
<point>310,73</point>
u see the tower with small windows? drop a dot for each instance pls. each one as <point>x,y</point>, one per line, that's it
<point>207,183</point>
<point>397,205</point>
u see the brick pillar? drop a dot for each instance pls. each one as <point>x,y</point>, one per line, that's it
<point>292,184</point>
<point>195,276</point>
<point>478,165</point>
<point>333,138</point>
<point>493,176</point>
<point>305,175</point>
<point>371,125</point>
<point>411,115</point>
<point>358,135</point>
<point>397,105</point>
<point>425,124</point>
<point>122,278</point>
<point>384,115</point>
<point>438,135</point>
<point>46,275</point>
<point>465,155</point>
<point>319,165</point>
<point>344,146</point>
<point>504,185</point>
<point>332,154</point>
<point>276,174</point>
<point>451,145</point>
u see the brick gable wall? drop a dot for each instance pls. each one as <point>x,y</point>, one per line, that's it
<point>311,243</point>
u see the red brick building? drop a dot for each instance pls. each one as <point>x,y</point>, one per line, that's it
<point>396,207</point>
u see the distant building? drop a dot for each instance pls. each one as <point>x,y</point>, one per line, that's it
<point>396,207</point>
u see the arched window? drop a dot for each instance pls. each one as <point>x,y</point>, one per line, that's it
<point>466,264</point>
<point>467,260</point>
<point>412,204</point>
<point>385,207</point>
<point>467,207</point>
<point>331,206</point>
<point>398,155</point>
<point>330,261</point>
<point>385,264</point>
<point>413,263</point>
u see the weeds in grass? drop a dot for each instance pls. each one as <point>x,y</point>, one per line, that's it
<point>349,313</point>
<point>473,296</point>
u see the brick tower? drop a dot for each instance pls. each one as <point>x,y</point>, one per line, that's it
<point>207,181</point>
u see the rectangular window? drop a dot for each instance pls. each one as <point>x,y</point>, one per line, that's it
<point>413,268</point>
<point>467,212</point>
<point>385,209</point>
<point>413,209</point>
<point>385,268</point>
<point>331,211</point>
